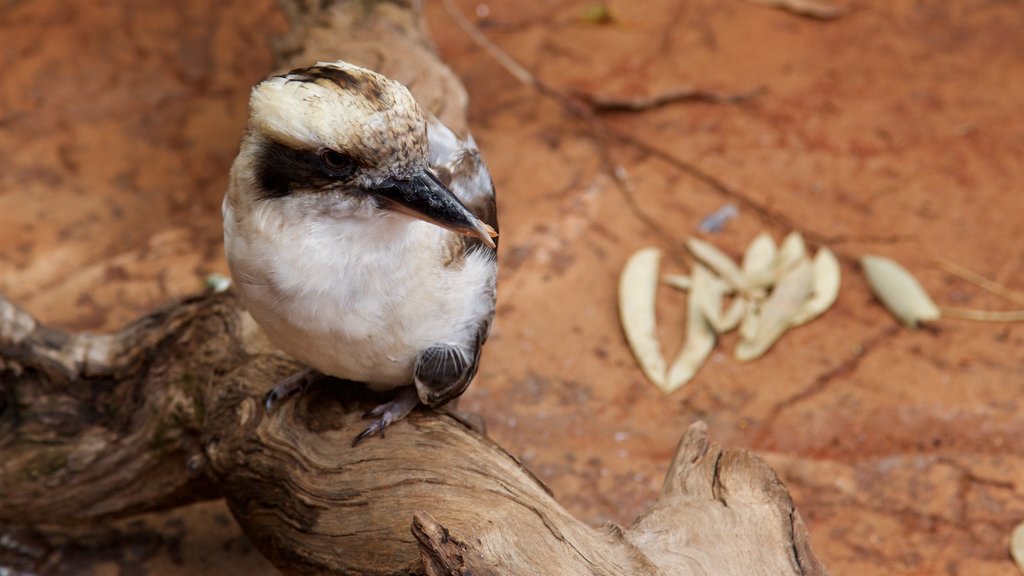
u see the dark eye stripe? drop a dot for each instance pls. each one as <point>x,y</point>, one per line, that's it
<point>281,170</point>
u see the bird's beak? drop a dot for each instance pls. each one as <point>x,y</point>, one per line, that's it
<point>424,197</point>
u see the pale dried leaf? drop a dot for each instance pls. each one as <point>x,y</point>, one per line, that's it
<point>679,281</point>
<point>705,294</point>
<point>638,287</point>
<point>760,254</point>
<point>732,317</point>
<point>719,261</point>
<point>778,311</point>
<point>792,250</point>
<point>751,318</point>
<point>827,276</point>
<point>1017,546</point>
<point>899,291</point>
<point>759,264</point>
<point>808,8</point>
<point>710,300</point>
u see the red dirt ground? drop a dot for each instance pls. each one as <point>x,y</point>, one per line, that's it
<point>894,130</point>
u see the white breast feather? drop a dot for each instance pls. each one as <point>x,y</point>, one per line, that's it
<point>359,301</point>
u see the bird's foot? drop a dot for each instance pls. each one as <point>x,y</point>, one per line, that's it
<point>290,386</point>
<point>389,413</point>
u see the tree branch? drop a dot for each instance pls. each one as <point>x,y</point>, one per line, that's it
<point>186,423</point>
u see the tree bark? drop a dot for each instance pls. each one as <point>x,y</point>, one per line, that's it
<point>169,411</point>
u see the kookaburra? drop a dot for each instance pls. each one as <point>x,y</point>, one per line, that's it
<point>360,233</point>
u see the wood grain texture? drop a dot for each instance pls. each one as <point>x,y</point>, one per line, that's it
<point>172,413</point>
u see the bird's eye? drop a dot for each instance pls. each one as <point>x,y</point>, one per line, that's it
<point>336,163</point>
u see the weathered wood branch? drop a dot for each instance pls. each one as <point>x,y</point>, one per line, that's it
<point>169,411</point>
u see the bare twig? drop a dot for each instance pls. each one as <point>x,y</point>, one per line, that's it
<point>806,8</point>
<point>983,315</point>
<point>602,103</point>
<point>973,277</point>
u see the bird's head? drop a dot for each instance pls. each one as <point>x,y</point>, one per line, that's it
<point>350,143</point>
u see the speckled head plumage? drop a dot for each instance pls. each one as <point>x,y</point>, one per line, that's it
<point>351,111</point>
<point>353,138</point>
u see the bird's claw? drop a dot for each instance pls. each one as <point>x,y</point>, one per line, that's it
<point>269,399</point>
<point>287,388</point>
<point>389,413</point>
<point>377,427</point>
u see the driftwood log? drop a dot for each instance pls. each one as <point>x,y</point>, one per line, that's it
<point>169,411</point>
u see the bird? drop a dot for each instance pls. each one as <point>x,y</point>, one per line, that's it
<point>361,235</point>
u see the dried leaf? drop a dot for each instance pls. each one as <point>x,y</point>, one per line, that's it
<point>732,317</point>
<point>637,289</point>
<point>722,322</point>
<point>778,311</point>
<point>751,319</point>
<point>760,255</point>
<point>792,250</point>
<point>679,281</point>
<point>827,276</point>
<point>1017,546</point>
<point>899,291</point>
<point>705,294</point>
<point>710,297</point>
<point>808,8</point>
<point>719,261</point>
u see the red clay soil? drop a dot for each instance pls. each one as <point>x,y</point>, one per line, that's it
<point>895,130</point>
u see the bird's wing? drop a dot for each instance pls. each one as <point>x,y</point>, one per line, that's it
<point>459,165</point>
